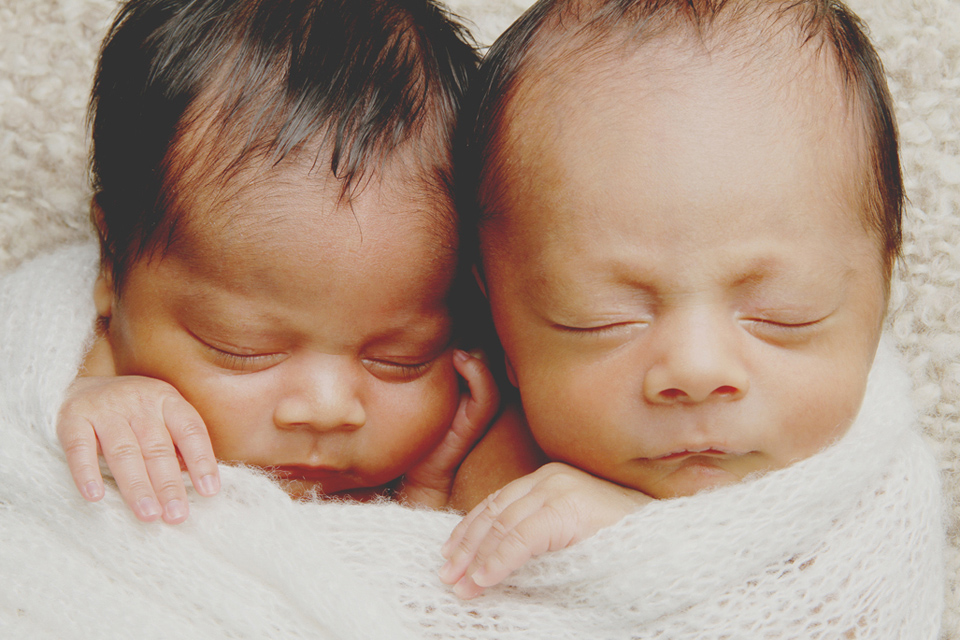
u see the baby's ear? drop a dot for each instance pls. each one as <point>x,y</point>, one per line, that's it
<point>96,217</point>
<point>103,293</point>
<point>103,290</point>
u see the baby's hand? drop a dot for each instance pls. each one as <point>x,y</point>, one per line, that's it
<point>550,509</point>
<point>430,482</point>
<point>139,424</point>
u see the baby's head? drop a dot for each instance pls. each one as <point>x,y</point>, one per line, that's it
<point>688,217</point>
<point>278,239</point>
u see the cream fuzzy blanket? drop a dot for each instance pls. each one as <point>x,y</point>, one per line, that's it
<point>47,49</point>
<point>849,540</point>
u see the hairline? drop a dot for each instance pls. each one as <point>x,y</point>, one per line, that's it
<point>554,43</point>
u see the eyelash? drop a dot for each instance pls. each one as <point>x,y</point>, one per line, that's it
<point>405,372</point>
<point>786,327</point>
<point>238,361</point>
<point>246,362</point>
<point>595,331</point>
<point>598,332</point>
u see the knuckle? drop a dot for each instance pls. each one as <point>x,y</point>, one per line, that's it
<point>77,407</point>
<point>169,487</point>
<point>141,399</point>
<point>554,469</point>
<point>193,430</point>
<point>516,542</point>
<point>500,530</point>
<point>121,450</point>
<point>69,405</point>
<point>75,445</point>
<point>465,548</point>
<point>137,488</point>
<point>561,525</point>
<point>492,508</point>
<point>156,448</point>
<point>137,393</point>
<point>554,516</point>
<point>558,478</point>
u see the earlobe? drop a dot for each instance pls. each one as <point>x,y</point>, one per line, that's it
<point>103,294</point>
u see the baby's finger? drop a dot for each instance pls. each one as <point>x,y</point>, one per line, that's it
<point>464,540</point>
<point>467,589</point>
<point>79,442</point>
<point>122,453</point>
<point>163,466</point>
<point>455,540</point>
<point>468,536</point>
<point>192,439</point>
<point>535,533</point>
<point>505,547</point>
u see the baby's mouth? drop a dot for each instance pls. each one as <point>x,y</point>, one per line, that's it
<point>685,453</point>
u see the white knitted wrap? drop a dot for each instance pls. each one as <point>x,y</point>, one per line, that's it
<point>849,540</point>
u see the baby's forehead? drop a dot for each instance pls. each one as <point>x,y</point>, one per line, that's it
<point>227,156</point>
<point>665,103</point>
<point>682,86</point>
<point>226,188</point>
<point>779,65</point>
<point>252,211</point>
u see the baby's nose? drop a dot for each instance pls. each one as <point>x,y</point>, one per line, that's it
<point>324,398</point>
<point>697,359</point>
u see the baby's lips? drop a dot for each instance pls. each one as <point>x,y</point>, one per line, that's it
<point>710,451</point>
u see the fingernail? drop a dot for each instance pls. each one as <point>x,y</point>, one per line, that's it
<point>175,510</point>
<point>480,579</point>
<point>479,354</point>
<point>209,484</point>
<point>445,572</point>
<point>148,508</point>
<point>460,356</point>
<point>466,589</point>
<point>446,549</point>
<point>92,491</point>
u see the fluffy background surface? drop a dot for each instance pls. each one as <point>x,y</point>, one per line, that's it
<point>47,49</point>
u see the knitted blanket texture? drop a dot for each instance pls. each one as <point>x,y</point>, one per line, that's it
<point>849,540</point>
<point>845,544</point>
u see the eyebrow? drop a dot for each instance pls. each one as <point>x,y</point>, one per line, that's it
<point>641,281</point>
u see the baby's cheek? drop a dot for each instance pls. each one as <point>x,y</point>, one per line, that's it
<point>238,414</point>
<point>422,411</point>
<point>563,411</point>
<point>824,417</point>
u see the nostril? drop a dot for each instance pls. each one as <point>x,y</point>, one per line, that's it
<point>672,394</point>
<point>725,390</point>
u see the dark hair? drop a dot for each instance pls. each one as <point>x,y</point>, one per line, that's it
<point>552,27</point>
<point>353,78</point>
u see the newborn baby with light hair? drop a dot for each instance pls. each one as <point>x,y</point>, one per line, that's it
<point>688,215</point>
